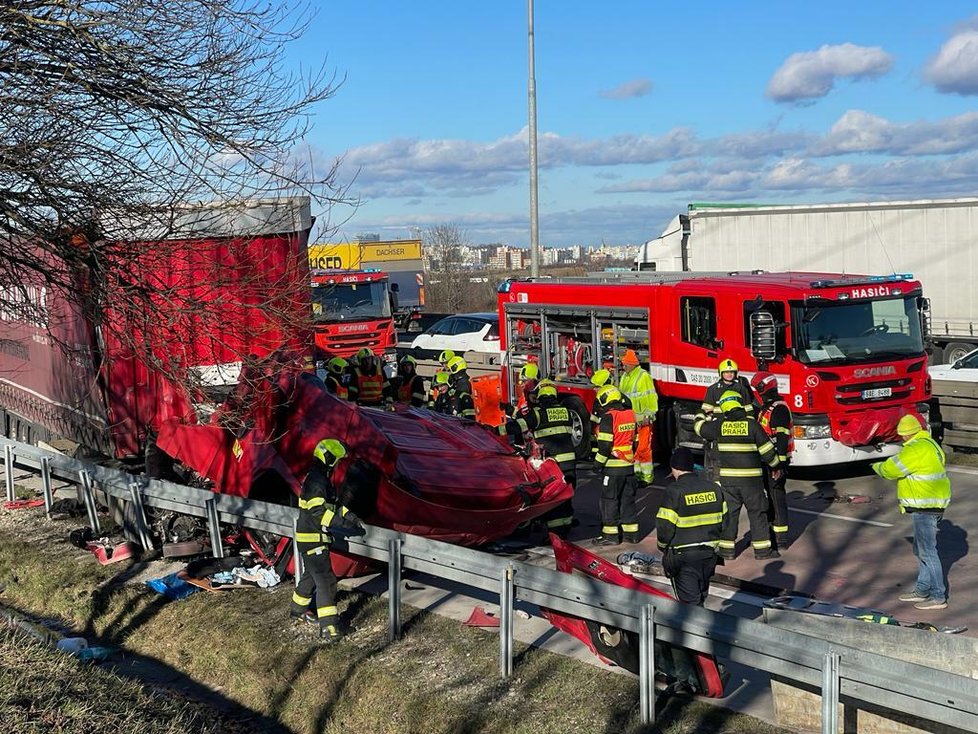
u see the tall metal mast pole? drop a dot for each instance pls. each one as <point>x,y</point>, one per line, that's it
<point>534,208</point>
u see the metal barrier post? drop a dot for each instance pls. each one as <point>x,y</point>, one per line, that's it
<point>214,525</point>
<point>646,665</point>
<point>830,693</point>
<point>394,588</point>
<point>142,528</point>
<point>46,484</point>
<point>8,468</point>
<point>298,568</point>
<point>88,495</point>
<point>506,624</point>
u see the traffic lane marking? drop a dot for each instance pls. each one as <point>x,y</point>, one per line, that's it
<point>842,517</point>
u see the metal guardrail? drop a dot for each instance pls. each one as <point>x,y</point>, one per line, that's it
<point>839,672</point>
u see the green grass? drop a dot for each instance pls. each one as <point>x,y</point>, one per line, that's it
<point>440,677</point>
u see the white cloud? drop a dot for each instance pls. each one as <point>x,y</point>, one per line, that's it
<point>861,132</point>
<point>629,90</point>
<point>955,67</point>
<point>808,75</point>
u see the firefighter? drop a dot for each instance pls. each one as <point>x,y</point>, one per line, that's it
<point>616,459</point>
<point>730,379</point>
<point>600,379</point>
<point>637,385</point>
<point>439,399</point>
<point>460,389</point>
<point>410,385</point>
<point>742,448</point>
<point>338,377</point>
<point>526,386</point>
<point>688,528</point>
<point>319,514</point>
<point>369,385</point>
<point>774,415</point>
<point>551,426</point>
<point>444,358</point>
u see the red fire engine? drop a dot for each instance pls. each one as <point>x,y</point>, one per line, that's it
<point>848,350</point>
<point>353,309</point>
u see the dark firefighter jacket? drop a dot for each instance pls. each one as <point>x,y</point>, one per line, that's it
<point>742,447</point>
<point>318,509</point>
<point>461,397</point>
<point>718,388</point>
<point>775,418</point>
<point>691,513</point>
<point>550,423</point>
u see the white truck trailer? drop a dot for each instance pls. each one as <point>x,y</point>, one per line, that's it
<point>936,240</point>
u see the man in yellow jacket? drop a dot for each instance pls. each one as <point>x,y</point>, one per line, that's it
<point>924,492</point>
<point>636,384</point>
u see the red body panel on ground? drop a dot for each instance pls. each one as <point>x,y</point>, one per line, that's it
<point>570,558</point>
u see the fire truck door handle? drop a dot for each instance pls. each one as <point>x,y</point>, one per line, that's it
<point>712,355</point>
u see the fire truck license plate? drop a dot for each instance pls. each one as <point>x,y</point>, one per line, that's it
<point>880,392</point>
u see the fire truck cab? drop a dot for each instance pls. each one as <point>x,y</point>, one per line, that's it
<point>352,309</point>
<point>848,350</point>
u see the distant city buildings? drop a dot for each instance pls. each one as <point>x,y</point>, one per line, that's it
<point>506,257</point>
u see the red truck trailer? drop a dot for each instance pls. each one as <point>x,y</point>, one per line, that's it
<point>227,284</point>
<point>848,350</point>
<point>353,309</point>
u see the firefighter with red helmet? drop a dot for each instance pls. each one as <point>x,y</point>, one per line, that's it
<point>410,385</point>
<point>320,515</point>
<point>774,415</point>
<point>616,459</point>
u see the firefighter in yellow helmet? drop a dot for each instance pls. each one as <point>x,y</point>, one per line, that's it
<point>616,460</point>
<point>446,356</point>
<point>320,515</point>
<point>552,428</point>
<point>742,449</point>
<point>439,399</point>
<point>923,491</point>
<point>526,386</point>
<point>338,377</point>
<point>729,379</point>
<point>410,385</point>
<point>460,389</point>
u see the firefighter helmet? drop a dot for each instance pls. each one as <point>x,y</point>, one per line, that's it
<point>364,353</point>
<point>547,391</point>
<point>764,382</point>
<point>727,365</point>
<point>408,359</point>
<point>909,425</point>
<point>446,356</point>
<point>441,378</point>
<point>529,371</point>
<point>329,451</point>
<point>601,378</point>
<point>608,395</point>
<point>337,365</point>
<point>730,400</point>
<point>456,365</point>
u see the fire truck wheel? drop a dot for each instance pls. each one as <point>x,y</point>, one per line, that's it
<point>580,426</point>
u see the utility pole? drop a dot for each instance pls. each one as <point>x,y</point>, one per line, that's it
<point>534,208</point>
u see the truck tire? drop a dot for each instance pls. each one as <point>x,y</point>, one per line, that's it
<point>580,426</point>
<point>956,350</point>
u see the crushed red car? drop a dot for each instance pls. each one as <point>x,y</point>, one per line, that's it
<point>419,472</point>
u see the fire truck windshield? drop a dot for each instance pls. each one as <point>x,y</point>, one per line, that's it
<point>857,331</point>
<point>351,302</point>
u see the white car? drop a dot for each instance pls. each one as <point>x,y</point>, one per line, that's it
<point>963,370</point>
<point>476,332</point>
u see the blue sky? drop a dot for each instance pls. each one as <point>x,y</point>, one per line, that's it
<point>643,108</point>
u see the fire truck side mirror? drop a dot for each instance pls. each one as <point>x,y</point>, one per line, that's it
<point>763,336</point>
